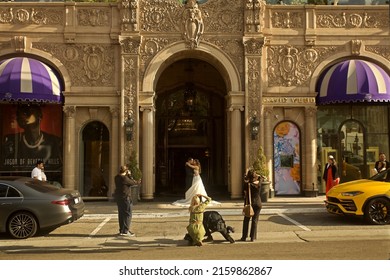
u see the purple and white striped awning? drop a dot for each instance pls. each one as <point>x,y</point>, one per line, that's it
<point>25,79</point>
<point>353,81</point>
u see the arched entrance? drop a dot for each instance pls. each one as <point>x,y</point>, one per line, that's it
<point>95,155</point>
<point>190,122</point>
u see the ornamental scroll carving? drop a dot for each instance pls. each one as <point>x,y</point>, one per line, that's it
<point>383,51</point>
<point>92,65</point>
<point>129,15</point>
<point>352,20</point>
<point>293,66</point>
<point>32,16</point>
<point>192,24</point>
<point>160,16</point>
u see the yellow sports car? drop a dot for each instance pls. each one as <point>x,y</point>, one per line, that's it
<point>365,197</point>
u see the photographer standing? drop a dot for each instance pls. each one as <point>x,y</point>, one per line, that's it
<point>251,196</point>
<point>123,183</point>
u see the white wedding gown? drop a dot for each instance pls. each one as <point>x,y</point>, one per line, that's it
<point>196,188</point>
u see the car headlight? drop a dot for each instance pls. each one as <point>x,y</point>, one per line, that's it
<point>351,193</point>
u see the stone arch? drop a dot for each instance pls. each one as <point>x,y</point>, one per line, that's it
<point>175,52</point>
<point>205,51</point>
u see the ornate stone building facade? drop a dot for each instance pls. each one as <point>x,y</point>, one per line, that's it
<point>212,79</point>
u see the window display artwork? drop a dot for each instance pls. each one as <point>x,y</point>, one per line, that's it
<point>287,163</point>
<point>30,132</point>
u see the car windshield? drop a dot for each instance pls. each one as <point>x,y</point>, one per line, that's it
<point>40,186</point>
<point>382,176</point>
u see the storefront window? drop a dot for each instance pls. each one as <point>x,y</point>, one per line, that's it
<point>355,135</point>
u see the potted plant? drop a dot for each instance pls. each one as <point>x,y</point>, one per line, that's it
<point>260,166</point>
<point>136,174</point>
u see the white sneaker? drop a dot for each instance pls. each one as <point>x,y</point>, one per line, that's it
<point>129,234</point>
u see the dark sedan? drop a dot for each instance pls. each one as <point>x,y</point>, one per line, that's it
<point>28,206</point>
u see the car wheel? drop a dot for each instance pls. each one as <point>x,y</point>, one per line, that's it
<point>22,225</point>
<point>378,211</point>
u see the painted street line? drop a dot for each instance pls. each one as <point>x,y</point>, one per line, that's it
<point>294,222</point>
<point>97,229</point>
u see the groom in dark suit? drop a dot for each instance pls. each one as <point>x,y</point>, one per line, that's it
<point>189,173</point>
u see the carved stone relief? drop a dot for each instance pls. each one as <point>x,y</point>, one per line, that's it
<point>233,48</point>
<point>130,45</point>
<point>254,85</point>
<point>383,51</point>
<point>160,15</point>
<point>129,15</point>
<point>40,16</point>
<point>254,46</point>
<point>352,20</point>
<point>130,92</point>
<point>130,82</point>
<point>223,16</point>
<point>70,111</point>
<point>254,13</point>
<point>356,46</point>
<point>192,24</point>
<point>287,20</point>
<point>293,66</point>
<point>20,43</point>
<point>149,48</point>
<point>93,17</point>
<point>88,64</point>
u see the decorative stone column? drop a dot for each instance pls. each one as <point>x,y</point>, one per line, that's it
<point>310,183</point>
<point>148,165</point>
<point>236,151</point>
<point>253,91</point>
<point>69,164</point>
<point>129,91</point>
<point>235,105</point>
<point>114,151</point>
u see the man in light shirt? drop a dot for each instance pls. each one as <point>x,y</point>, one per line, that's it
<point>37,172</point>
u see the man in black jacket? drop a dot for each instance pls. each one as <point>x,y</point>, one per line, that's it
<point>123,183</point>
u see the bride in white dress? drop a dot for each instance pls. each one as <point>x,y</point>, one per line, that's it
<point>197,187</point>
